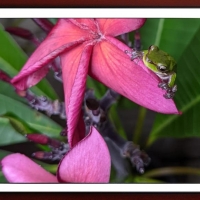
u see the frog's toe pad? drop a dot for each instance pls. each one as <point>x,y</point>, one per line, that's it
<point>174,88</point>
<point>163,85</point>
<point>169,94</point>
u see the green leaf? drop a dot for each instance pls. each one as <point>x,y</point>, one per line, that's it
<point>2,155</point>
<point>181,38</point>
<point>148,32</point>
<point>9,135</point>
<point>53,20</point>
<point>26,117</point>
<point>124,103</point>
<point>7,90</point>
<point>2,178</point>
<point>171,35</point>
<point>115,120</point>
<point>12,59</point>
<point>18,124</point>
<point>140,179</point>
<point>99,88</point>
<point>167,171</point>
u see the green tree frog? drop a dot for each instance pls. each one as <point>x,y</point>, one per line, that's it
<point>162,64</point>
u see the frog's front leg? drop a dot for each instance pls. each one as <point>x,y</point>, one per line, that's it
<point>172,78</point>
<point>171,83</point>
<point>172,88</point>
<point>168,80</point>
<point>134,54</point>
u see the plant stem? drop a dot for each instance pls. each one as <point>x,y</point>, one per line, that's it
<point>139,124</point>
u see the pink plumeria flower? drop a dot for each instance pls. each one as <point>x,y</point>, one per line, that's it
<point>89,46</point>
<point>87,162</point>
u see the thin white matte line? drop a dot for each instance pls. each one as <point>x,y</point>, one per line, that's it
<point>99,12</point>
<point>101,187</point>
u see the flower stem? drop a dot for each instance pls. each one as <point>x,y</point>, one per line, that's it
<point>139,124</point>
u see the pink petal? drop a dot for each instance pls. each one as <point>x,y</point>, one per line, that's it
<point>18,168</point>
<point>114,27</point>
<point>75,69</point>
<point>112,67</point>
<point>88,162</point>
<point>63,36</point>
<point>87,24</point>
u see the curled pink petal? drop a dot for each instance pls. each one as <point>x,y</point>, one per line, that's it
<point>18,168</point>
<point>88,162</point>
<point>111,66</point>
<point>114,27</point>
<point>63,36</point>
<point>75,69</point>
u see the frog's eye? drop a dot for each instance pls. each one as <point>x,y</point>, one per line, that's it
<point>162,68</point>
<point>153,48</point>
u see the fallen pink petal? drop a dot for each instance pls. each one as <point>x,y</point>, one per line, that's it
<point>88,162</point>
<point>18,168</point>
